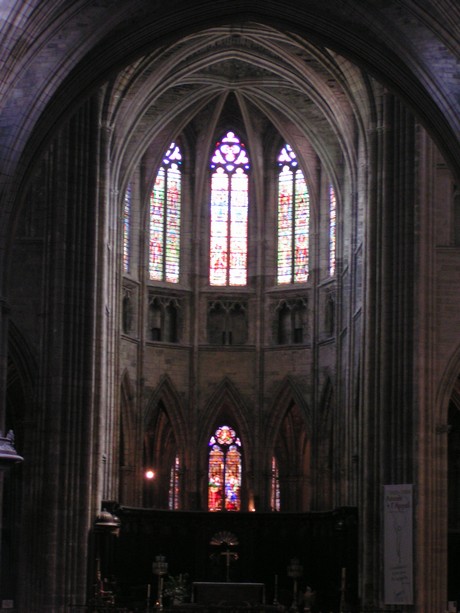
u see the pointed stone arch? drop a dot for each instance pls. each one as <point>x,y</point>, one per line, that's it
<point>164,438</point>
<point>166,392</point>
<point>20,382</point>
<point>447,427</point>
<point>438,452</point>
<point>20,354</point>
<point>289,440</point>
<point>226,402</point>
<point>288,392</point>
<point>226,406</point>
<point>323,464</point>
<point>128,447</point>
<point>446,389</point>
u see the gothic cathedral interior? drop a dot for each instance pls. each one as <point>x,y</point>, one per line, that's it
<point>230,235</point>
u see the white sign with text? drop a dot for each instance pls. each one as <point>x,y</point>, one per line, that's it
<point>398,553</point>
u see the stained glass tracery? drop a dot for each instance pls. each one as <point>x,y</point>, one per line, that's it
<point>165,215</point>
<point>229,212</point>
<point>224,471</point>
<point>293,220</point>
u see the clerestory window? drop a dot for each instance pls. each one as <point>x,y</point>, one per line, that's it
<point>165,217</point>
<point>228,253</point>
<point>293,220</point>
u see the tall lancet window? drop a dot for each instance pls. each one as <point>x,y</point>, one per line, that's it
<point>275,486</point>
<point>332,230</point>
<point>224,471</point>
<point>127,228</point>
<point>165,213</point>
<point>174,485</point>
<point>229,213</point>
<point>293,220</point>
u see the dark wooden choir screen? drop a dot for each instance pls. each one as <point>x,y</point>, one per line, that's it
<point>325,544</point>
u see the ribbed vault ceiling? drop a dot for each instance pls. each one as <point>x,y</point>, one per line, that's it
<point>300,89</point>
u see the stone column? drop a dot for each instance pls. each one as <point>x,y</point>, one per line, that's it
<point>63,470</point>
<point>388,411</point>
<point>431,512</point>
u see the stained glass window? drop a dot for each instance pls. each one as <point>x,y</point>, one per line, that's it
<point>229,213</point>
<point>165,212</point>
<point>127,228</point>
<point>174,485</point>
<point>275,489</point>
<point>332,230</point>
<point>224,488</point>
<point>293,220</point>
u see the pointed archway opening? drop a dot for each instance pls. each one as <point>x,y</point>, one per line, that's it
<point>292,454</point>
<point>160,463</point>
<point>453,454</point>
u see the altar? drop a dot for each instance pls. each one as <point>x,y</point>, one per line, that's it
<point>228,593</point>
<point>250,575</point>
